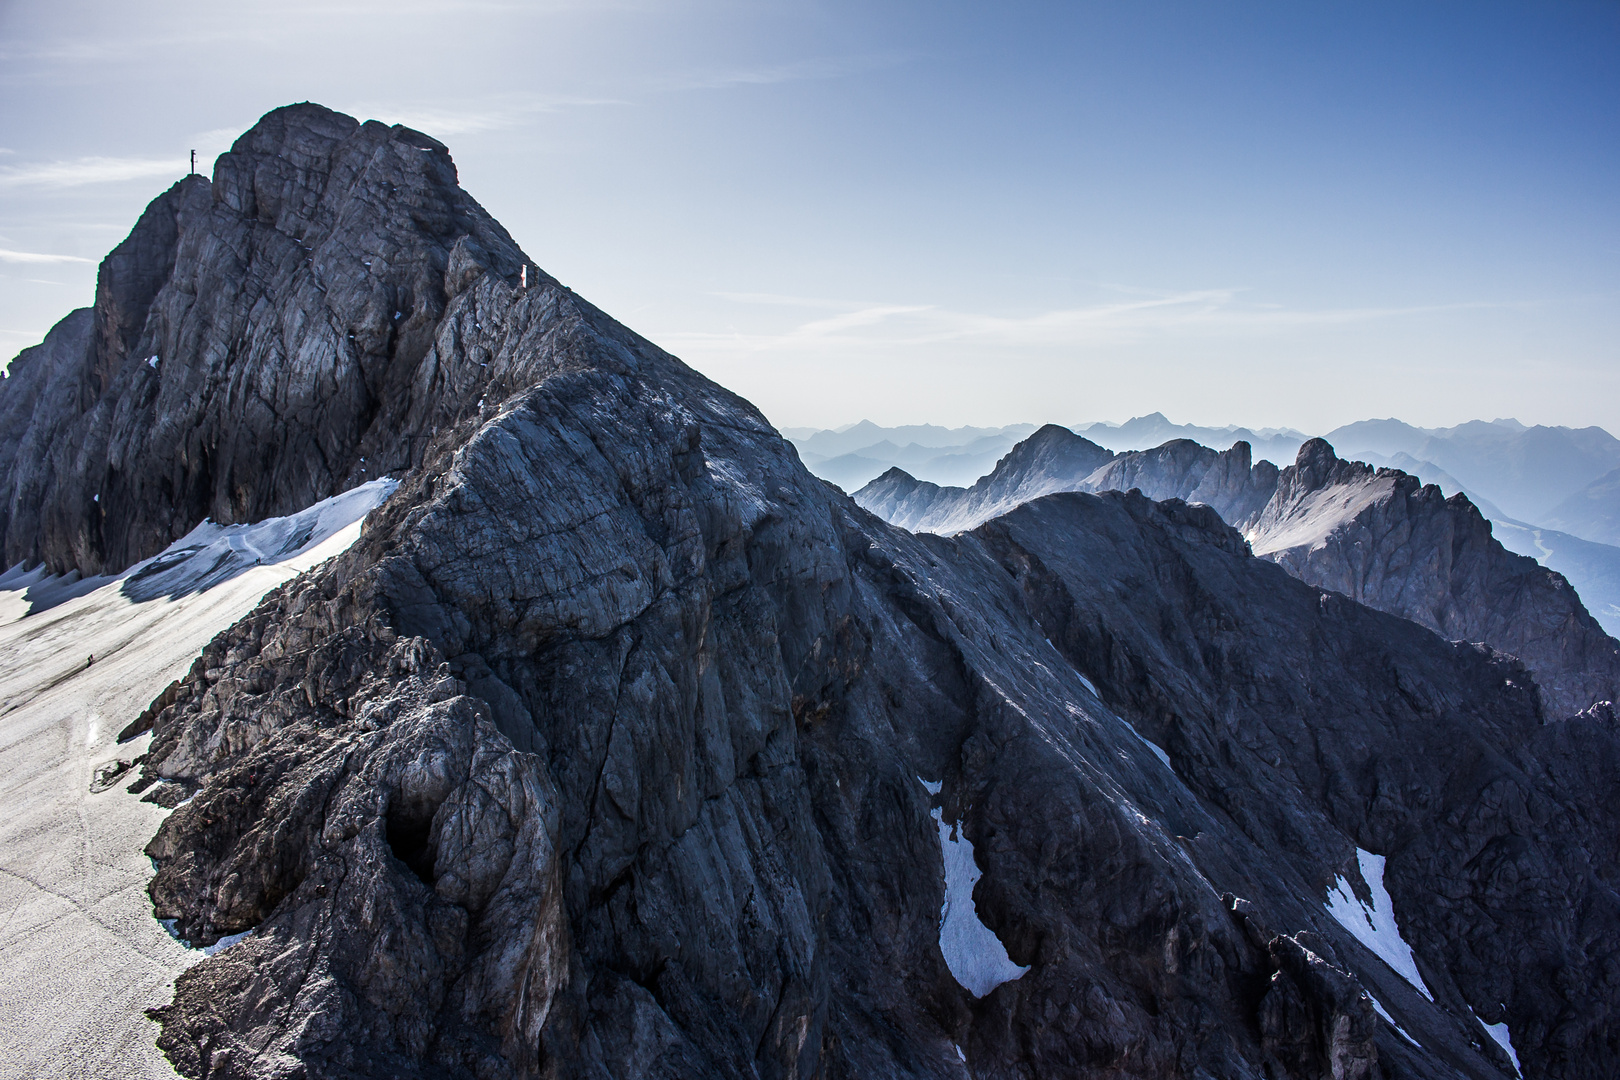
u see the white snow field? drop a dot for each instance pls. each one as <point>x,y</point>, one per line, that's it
<point>81,956</point>
<point>977,958</point>
<point>1374,925</point>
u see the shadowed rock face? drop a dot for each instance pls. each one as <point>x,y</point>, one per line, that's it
<point>610,750</point>
<point>1306,717</point>
<point>1378,536</point>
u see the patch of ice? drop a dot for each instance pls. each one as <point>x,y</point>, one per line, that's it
<point>207,950</point>
<point>152,362</point>
<point>224,943</point>
<point>1374,924</point>
<point>1391,1021</point>
<point>210,553</point>
<point>977,958</point>
<point>1499,1032</point>
<point>1158,752</point>
<point>959,1052</point>
<point>1090,689</point>
<point>933,788</point>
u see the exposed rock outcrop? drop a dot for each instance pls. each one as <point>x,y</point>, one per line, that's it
<point>614,746</point>
<point>1304,716</point>
<point>1384,538</point>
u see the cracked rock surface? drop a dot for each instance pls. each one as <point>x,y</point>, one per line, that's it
<point>611,748</point>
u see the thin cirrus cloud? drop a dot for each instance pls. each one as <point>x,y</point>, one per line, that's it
<point>79,172</point>
<point>807,70</point>
<point>38,257</point>
<point>495,115</point>
<point>1202,312</point>
<point>88,170</point>
<point>504,112</point>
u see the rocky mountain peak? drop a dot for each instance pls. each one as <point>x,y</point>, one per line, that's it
<point>1050,450</point>
<point>262,340</point>
<point>1317,467</point>
<point>619,745</point>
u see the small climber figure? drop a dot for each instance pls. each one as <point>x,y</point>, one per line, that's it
<point>90,661</point>
<point>523,280</point>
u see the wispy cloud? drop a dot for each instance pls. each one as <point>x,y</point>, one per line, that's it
<point>510,111</point>
<point>115,48</point>
<point>813,68</point>
<point>38,257</point>
<point>90,170</point>
<point>1206,312</point>
<point>493,115</point>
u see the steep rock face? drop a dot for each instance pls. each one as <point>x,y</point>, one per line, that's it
<point>613,748</point>
<point>1306,717</point>
<point>1383,538</point>
<point>729,682</point>
<point>259,342</point>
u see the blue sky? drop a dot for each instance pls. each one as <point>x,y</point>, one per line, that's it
<point>1265,214</point>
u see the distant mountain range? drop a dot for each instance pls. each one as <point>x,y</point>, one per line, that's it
<point>1558,477</point>
<point>1155,429</point>
<point>1531,473</point>
<point>851,456</point>
<point>1380,536</point>
<point>1552,492</point>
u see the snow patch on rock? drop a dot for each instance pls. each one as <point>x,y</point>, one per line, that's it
<point>1158,751</point>
<point>1503,1038</point>
<point>977,958</point>
<point>211,554</point>
<point>1379,1006</point>
<point>1374,924</point>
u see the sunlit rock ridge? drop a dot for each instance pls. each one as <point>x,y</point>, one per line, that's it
<point>618,745</point>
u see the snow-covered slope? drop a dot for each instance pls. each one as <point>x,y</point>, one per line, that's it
<point>81,956</point>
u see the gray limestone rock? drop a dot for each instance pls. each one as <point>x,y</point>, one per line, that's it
<point>618,745</point>
<point>1385,539</point>
<point>259,342</point>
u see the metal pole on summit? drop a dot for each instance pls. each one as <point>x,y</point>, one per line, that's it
<point>194,163</point>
